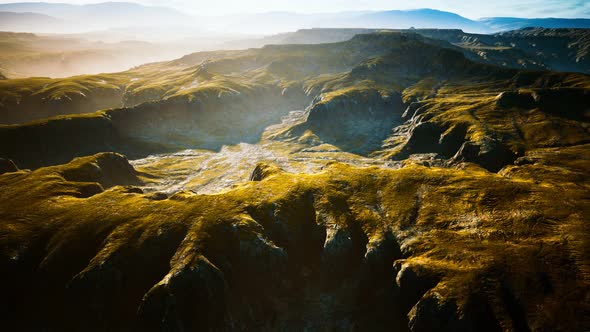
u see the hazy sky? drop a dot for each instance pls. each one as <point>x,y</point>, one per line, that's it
<point>467,8</point>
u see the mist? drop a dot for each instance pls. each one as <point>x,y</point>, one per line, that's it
<point>60,40</point>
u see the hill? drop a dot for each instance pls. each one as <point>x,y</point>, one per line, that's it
<point>61,55</point>
<point>10,21</point>
<point>529,48</point>
<point>383,182</point>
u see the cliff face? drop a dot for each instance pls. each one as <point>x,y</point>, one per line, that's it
<point>24,100</point>
<point>356,121</point>
<point>57,140</point>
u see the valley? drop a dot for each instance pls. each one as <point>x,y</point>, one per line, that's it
<point>391,180</point>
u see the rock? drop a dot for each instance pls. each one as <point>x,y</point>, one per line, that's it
<point>571,103</point>
<point>6,166</point>
<point>192,297</point>
<point>264,170</point>
<point>130,190</point>
<point>518,99</point>
<point>436,313</point>
<point>452,139</point>
<point>157,196</point>
<point>413,281</point>
<point>414,109</point>
<point>422,138</point>
<point>108,169</point>
<point>89,189</point>
<point>491,155</point>
<point>356,121</point>
<point>338,249</point>
<point>57,140</point>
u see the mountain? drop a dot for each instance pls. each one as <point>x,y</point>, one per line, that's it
<point>102,15</point>
<point>515,23</point>
<point>108,15</point>
<point>529,48</point>
<point>63,55</point>
<point>419,18</point>
<point>386,182</point>
<point>398,19</point>
<point>30,22</point>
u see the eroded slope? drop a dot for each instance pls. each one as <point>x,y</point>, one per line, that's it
<point>416,248</point>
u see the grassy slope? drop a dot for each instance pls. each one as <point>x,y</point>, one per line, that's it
<point>495,246</point>
<point>298,250</point>
<point>453,95</point>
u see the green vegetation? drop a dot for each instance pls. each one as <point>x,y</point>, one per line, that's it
<point>458,254</point>
<point>419,190</point>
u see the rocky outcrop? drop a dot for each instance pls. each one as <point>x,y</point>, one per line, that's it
<point>430,138</point>
<point>569,103</point>
<point>33,107</point>
<point>264,170</point>
<point>519,99</point>
<point>436,313</point>
<point>7,165</point>
<point>59,140</point>
<point>193,296</point>
<point>108,169</point>
<point>491,155</point>
<point>356,121</point>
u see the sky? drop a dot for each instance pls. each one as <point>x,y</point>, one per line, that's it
<point>469,8</point>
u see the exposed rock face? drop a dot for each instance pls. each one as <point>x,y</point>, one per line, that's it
<point>569,103</point>
<point>492,155</point>
<point>193,296</point>
<point>6,165</point>
<point>434,313</point>
<point>57,141</point>
<point>357,121</point>
<point>518,99</point>
<point>40,106</point>
<point>107,169</point>
<point>264,170</point>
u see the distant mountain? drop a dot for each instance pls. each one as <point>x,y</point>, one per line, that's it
<point>276,22</point>
<point>528,48</point>
<point>301,36</point>
<point>30,22</point>
<point>394,19</point>
<point>103,15</point>
<point>117,15</point>
<point>515,23</point>
<point>419,18</point>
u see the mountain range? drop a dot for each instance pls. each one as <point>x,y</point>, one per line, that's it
<point>386,182</point>
<point>67,17</point>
